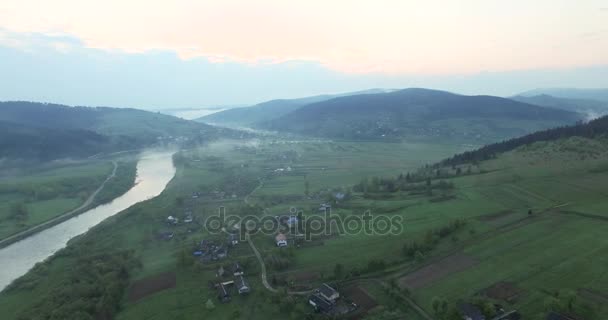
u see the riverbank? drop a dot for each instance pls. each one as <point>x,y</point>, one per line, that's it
<point>109,189</point>
<point>154,171</point>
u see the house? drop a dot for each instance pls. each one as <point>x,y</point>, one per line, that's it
<point>319,303</point>
<point>329,293</point>
<point>470,312</point>
<point>220,253</point>
<point>172,220</point>
<point>233,239</point>
<point>242,285</point>
<point>166,235</point>
<point>237,270</point>
<point>281,240</point>
<point>222,293</point>
<point>188,218</point>
<point>324,207</point>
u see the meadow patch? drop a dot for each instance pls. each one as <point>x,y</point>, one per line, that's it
<point>363,300</point>
<point>148,286</point>
<point>502,290</point>
<point>428,274</point>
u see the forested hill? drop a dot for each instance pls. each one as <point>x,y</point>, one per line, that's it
<point>18,141</point>
<point>49,131</point>
<point>420,113</point>
<point>593,129</point>
<point>266,111</point>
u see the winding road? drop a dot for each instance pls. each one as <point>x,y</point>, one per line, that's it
<point>259,256</point>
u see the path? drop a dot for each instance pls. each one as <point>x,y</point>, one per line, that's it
<point>259,256</point>
<point>60,218</point>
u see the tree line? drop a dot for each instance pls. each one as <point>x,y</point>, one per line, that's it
<point>591,129</point>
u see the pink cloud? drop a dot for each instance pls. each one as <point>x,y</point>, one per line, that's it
<point>387,36</point>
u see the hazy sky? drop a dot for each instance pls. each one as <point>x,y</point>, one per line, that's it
<point>184,53</point>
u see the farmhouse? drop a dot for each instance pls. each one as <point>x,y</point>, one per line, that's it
<point>281,240</point>
<point>470,312</point>
<point>319,303</point>
<point>329,293</point>
<point>241,285</point>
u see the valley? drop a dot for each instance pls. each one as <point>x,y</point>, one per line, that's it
<point>508,212</point>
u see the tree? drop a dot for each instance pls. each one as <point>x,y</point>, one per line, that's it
<point>19,211</point>
<point>436,303</point>
<point>338,271</point>
<point>209,305</point>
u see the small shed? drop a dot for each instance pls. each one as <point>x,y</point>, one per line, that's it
<point>281,240</point>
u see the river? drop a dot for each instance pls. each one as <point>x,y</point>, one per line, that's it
<point>154,171</point>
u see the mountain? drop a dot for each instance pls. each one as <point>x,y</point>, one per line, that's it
<point>591,108</point>
<point>420,113</point>
<point>266,111</point>
<point>572,93</point>
<point>33,126</point>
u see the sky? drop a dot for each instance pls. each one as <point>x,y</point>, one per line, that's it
<point>193,53</point>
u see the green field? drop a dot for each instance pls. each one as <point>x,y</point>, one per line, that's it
<point>42,193</point>
<point>559,247</point>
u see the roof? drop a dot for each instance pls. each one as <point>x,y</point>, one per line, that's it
<point>471,311</point>
<point>320,303</point>
<point>221,290</point>
<point>280,237</point>
<point>326,290</point>
<point>240,282</point>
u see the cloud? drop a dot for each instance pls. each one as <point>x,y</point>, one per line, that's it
<point>32,41</point>
<point>356,37</point>
<point>40,68</point>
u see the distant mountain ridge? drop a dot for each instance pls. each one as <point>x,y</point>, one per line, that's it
<point>420,113</point>
<point>598,94</point>
<point>591,108</point>
<point>42,129</point>
<point>266,111</point>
